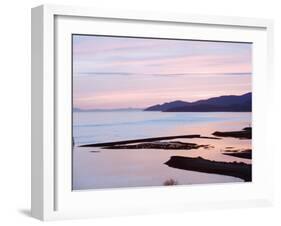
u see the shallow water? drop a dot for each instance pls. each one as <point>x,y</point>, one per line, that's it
<point>103,168</point>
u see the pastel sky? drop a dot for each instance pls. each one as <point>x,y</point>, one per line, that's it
<point>119,72</point>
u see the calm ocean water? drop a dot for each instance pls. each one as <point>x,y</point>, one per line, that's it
<point>93,127</point>
<point>130,168</point>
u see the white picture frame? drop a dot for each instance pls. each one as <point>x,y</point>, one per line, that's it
<point>52,198</point>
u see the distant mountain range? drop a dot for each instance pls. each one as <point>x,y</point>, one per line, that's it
<point>231,103</point>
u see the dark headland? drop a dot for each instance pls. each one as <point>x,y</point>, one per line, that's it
<point>230,103</point>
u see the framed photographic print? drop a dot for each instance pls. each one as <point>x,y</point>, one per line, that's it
<point>139,112</point>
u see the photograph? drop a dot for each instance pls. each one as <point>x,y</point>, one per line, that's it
<point>149,111</point>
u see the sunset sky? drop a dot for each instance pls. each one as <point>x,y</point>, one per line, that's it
<point>116,72</point>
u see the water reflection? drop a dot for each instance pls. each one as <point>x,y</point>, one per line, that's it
<point>104,168</point>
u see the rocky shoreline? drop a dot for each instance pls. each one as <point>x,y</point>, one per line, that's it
<point>245,154</point>
<point>245,133</point>
<point>156,142</point>
<point>234,169</point>
<point>199,164</point>
<point>159,145</point>
<point>147,140</point>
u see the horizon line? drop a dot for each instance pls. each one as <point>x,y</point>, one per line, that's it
<point>141,108</point>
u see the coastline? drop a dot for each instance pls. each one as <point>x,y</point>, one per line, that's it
<point>236,169</point>
<point>129,166</point>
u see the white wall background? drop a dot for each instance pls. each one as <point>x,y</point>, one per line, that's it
<point>15,111</point>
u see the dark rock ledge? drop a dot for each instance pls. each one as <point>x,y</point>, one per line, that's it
<point>245,133</point>
<point>153,139</point>
<point>159,145</point>
<point>245,154</point>
<point>235,169</point>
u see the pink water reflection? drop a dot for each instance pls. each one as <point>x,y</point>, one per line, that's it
<point>145,167</point>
